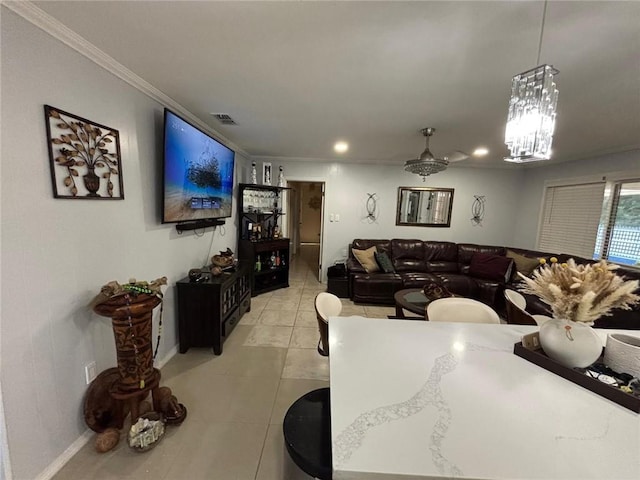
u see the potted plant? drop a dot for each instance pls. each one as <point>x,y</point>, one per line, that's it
<point>578,295</point>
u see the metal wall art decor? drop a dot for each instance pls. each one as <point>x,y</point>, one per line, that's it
<point>477,210</point>
<point>84,156</point>
<point>372,207</point>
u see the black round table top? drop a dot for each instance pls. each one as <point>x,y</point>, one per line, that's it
<point>412,299</point>
<point>307,433</point>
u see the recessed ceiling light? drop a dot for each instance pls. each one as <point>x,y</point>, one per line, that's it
<point>480,152</point>
<point>341,147</point>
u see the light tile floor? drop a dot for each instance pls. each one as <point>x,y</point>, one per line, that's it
<point>236,402</point>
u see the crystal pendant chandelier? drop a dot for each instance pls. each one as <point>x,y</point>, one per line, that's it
<point>426,164</point>
<point>532,115</point>
<point>532,112</point>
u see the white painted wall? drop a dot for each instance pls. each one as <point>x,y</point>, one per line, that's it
<point>347,186</point>
<point>56,254</point>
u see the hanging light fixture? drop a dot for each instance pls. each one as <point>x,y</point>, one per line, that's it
<point>426,164</point>
<point>532,111</point>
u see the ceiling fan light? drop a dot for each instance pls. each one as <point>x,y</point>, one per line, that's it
<point>426,164</point>
<point>424,168</point>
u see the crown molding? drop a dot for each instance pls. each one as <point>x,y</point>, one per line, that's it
<point>57,30</point>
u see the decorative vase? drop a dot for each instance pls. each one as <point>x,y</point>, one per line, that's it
<point>572,344</point>
<point>92,183</point>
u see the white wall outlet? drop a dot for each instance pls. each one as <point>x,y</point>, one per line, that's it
<point>90,372</point>
<point>337,217</point>
<point>331,217</point>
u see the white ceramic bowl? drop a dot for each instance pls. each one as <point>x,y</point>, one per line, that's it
<point>622,353</point>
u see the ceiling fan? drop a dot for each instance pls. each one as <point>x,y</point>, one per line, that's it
<point>427,164</point>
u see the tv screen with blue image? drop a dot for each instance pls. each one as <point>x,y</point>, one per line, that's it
<point>198,173</point>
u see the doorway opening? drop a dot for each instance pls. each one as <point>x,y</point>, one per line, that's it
<point>306,207</point>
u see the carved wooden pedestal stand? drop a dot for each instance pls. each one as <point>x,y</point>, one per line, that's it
<point>131,316</point>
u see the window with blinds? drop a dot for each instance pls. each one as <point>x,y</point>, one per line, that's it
<point>570,218</point>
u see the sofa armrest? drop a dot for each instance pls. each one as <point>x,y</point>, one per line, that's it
<point>491,293</point>
<point>353,266</point>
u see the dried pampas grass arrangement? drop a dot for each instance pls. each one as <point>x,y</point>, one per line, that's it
<point>581,293</point>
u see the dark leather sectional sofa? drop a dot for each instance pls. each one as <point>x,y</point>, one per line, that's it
<point>418,262</point>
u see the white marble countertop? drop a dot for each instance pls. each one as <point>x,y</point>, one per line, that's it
<point>413,399</point>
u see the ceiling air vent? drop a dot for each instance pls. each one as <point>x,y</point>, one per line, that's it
<point>224,118</point>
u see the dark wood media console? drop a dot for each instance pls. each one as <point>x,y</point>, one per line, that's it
<point>209,310</point>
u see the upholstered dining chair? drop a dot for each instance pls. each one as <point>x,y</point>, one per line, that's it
<point>517,314</point>
<point>516,298</point>
<point>456,309</point>
<point>327,305</point>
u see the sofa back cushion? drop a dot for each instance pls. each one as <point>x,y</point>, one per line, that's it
<point>441,256</point>
<point>467,250</point>
<point>407,255</point>
<point>363,244</point>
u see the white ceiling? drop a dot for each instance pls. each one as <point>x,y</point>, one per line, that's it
<point>297,76</point>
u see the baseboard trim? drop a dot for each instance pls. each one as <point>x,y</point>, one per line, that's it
<point>170,354</point>
<point>55,466</point>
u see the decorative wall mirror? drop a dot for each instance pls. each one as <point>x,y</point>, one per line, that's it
<point>424,206</point>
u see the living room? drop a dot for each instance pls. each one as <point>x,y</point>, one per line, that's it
<point>56,254</point>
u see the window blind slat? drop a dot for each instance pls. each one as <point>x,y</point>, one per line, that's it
<point>570,218</point>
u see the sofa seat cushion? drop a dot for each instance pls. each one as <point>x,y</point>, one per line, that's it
<point>459,284</point>
<point>375,287</point>
<point>417,279</point>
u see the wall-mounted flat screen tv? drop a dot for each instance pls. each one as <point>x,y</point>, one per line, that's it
<point>198,173</point>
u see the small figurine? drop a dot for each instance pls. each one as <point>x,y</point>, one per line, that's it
<point>281,177</point>
<point>254,175</point>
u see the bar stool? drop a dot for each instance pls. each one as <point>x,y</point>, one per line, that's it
<point>307,433</point>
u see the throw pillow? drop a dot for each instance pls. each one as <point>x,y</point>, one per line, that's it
<point>491,267</point>
<point>367,259</point>
<point>524,265</point>
<point>384,262</point>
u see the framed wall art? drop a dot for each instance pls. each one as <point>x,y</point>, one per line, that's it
<point>84,157</point>
<point>266,173</point>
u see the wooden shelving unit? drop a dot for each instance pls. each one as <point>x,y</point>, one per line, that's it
<point>259,244</point>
